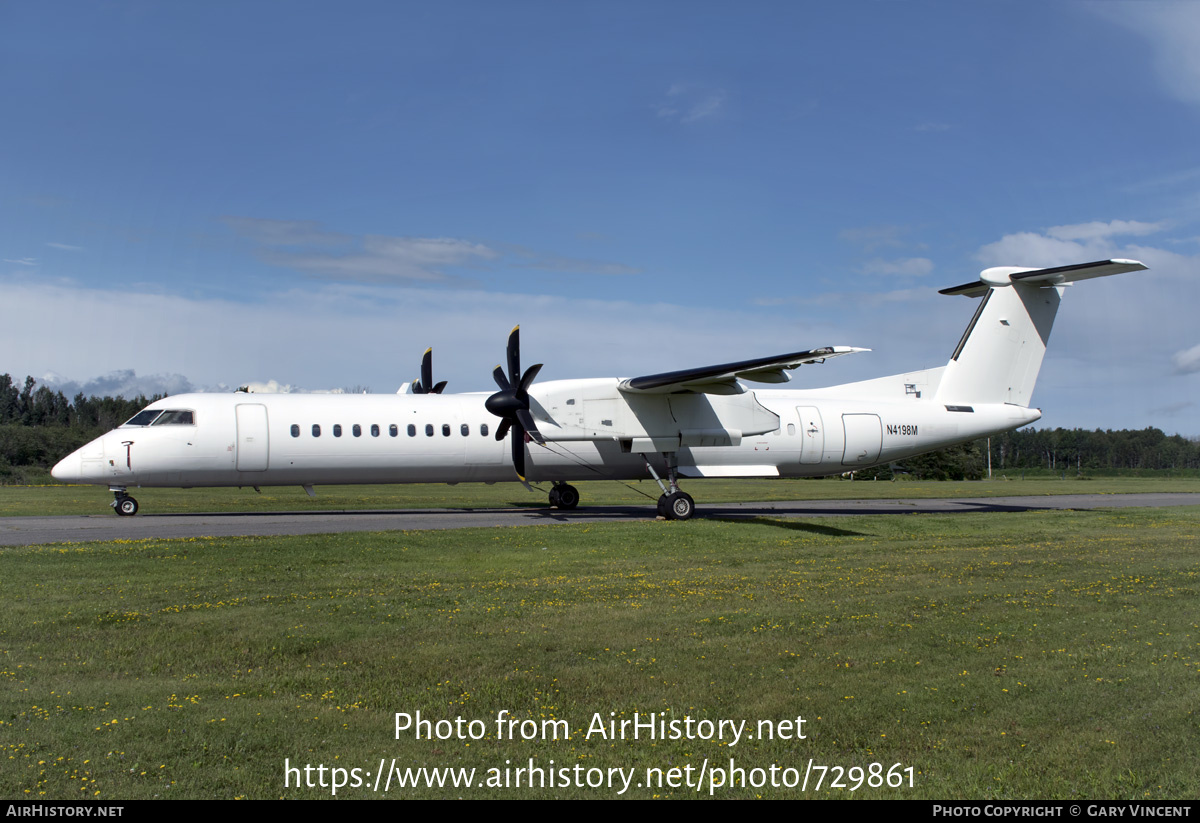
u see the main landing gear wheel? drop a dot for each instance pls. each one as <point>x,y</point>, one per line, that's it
<point>126,506</point>
<point>564,497</point>
<point>676,506</point>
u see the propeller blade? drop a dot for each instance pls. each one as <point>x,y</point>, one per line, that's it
<point>514,354</point>
<point>511,403</point>
<point>518,451</point>
<point>427,371</point>
<point>528,379</point>
<point>501,379</point>
<point>526,421</point>
<point>440,387</point>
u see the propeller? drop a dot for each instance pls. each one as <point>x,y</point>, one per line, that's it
<point>425,384</point>
<point>511,403</point>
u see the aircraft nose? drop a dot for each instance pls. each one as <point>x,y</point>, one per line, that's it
<point>69,469</point>
<point>84,465</point>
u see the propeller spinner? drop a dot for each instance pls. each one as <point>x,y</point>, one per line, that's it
<point>425,384</point>
<point>511,403</point>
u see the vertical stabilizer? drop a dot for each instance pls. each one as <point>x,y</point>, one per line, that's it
<point>999,356</point>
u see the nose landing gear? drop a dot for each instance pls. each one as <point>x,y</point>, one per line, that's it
<point>125,505</point>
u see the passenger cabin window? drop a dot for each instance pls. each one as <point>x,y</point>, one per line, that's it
<point>374,430</point>
<point>445,430</point>
<point>173,417</point>
<point>316,430</point>
<point>393,430</point>
<point>295,430</point>
<point>337,429</point>
<point>144,418</point>
<point>465,429</point>
<point>412,430</point>
<point>429,430</point>
<point>483,429</point>
<point>357,430</point>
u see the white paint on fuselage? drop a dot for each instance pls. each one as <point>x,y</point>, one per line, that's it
<point>206,453</point>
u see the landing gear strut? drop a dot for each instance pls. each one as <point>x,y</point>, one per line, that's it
<point>125,505</point>
<point>563,496</point>
<point>674,503</point>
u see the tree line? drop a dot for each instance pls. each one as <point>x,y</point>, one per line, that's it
<point>1066,452</point>
<point>38,427</point>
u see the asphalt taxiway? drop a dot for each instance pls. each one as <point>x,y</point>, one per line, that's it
<point>25,531</point>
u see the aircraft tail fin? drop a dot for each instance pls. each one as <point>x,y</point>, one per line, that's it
<point>1000,354</point>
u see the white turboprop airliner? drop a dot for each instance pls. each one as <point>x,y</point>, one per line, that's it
<point>692,423</point>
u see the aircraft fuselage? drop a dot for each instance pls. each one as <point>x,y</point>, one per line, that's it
<point>291,439</point>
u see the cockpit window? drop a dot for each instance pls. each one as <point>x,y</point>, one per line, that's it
<point>144,417</point>
<point>175,418</point>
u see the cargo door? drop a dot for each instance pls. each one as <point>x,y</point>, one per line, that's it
<point>864,439</point>
<point>252,443</point>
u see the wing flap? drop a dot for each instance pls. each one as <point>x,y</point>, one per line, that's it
<point>722,378</point>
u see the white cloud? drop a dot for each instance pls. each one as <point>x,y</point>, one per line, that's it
<point>1063,245</point>
<point>302,245</point>
<point>1097,230</point>
<point>907,267</point>
<point>1173,31</point>
<point>22,261</point>
<point>1034,250</point>
<point>388,259</point>
<point>120,383</point>
<point>65,247</point>
<point>345,334</point>
<point>1187,361</point>
<point>689,104</point>
<point>1107,365</point>
<point>1115,337</point>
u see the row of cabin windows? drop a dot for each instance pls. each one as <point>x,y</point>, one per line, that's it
<point>430,430</point>
<point>393,430</point>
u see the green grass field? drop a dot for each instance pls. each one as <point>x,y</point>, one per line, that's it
<point>1028,655</point>
<point>59,499</point>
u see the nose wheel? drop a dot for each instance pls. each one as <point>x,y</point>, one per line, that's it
<point>125,505</point>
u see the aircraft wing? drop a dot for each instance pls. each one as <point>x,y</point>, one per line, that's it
<point>1050,277</point>
<point>722,379</point>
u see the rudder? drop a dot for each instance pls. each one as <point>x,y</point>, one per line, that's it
<point>1000,354</point>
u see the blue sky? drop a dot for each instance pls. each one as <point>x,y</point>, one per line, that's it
<point>309,193</point>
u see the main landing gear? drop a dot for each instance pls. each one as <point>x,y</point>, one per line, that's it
<point>674,503</point>
<point>564,497</point>
<point>125,505</point>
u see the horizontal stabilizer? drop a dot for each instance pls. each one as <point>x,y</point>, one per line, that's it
<point>722,379</point>
<point>1004,275</point>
